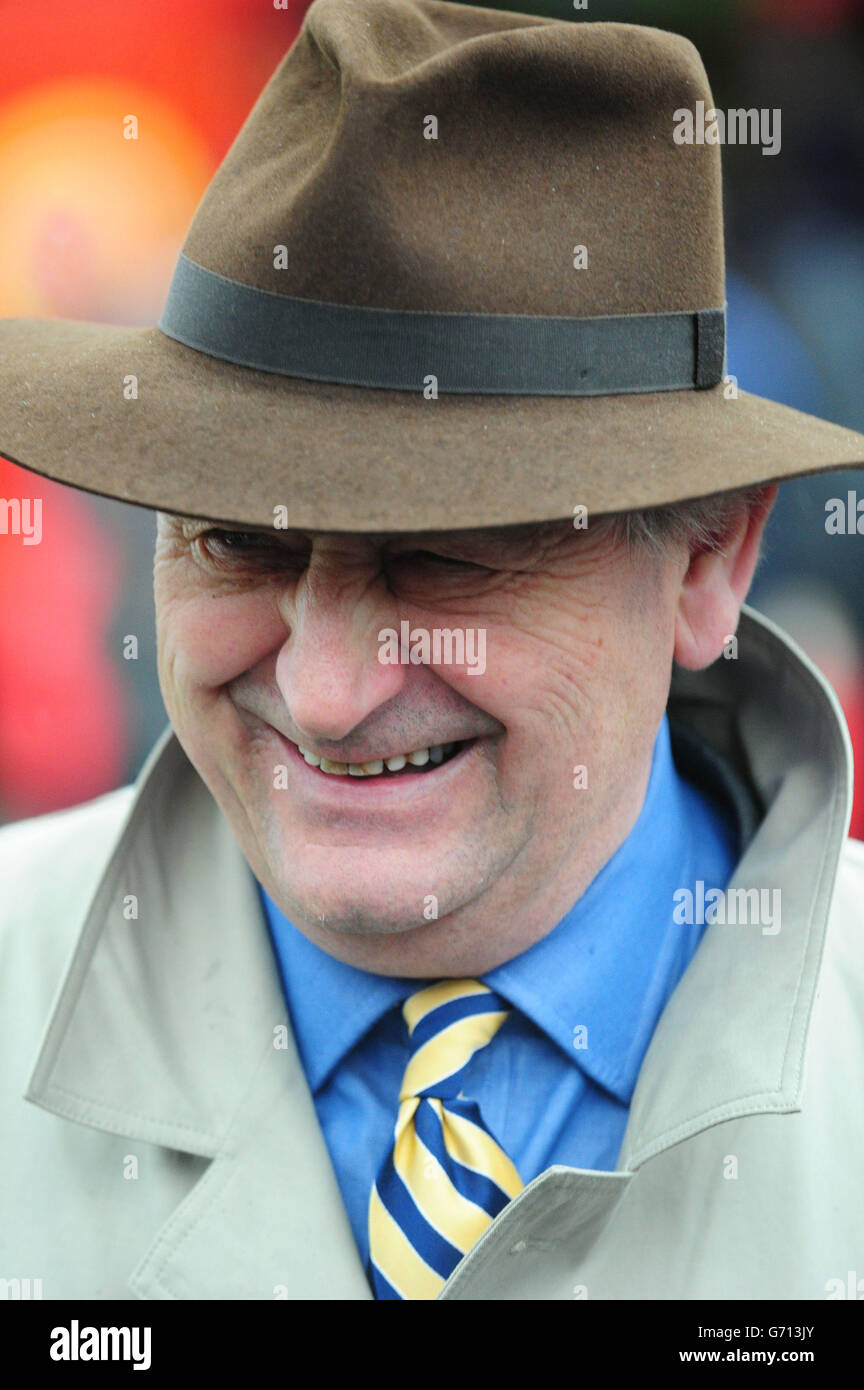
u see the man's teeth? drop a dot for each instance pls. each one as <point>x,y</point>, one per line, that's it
<point>418,758</point>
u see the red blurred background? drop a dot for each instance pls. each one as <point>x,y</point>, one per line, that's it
<point>87,232</point>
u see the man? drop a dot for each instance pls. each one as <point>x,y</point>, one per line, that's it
<point>440,951</point>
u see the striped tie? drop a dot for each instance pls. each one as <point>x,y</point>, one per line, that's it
<point>445,1177</point>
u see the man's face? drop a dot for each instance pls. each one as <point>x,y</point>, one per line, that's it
<point>270,642</point>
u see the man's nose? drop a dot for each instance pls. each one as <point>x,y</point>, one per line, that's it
<point>328,670</point>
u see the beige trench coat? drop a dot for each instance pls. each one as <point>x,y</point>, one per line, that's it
<point>157,1145</point>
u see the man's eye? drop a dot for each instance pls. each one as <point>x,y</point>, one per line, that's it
<point>238,540</point>
<point>243,548</point>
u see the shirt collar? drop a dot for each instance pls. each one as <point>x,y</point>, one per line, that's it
<point>332,1004</point>
<point>608,967</point>
<point>611,964</point>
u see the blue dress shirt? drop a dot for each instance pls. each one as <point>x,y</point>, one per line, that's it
<point>607,968</point>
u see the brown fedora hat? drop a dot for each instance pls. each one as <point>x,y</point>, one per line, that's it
<point>454,271</point>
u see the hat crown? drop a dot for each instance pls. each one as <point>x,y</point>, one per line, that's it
<point>422,155</point>
<point>426,353</point>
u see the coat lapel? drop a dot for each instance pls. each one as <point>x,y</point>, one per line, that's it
<point>732,1039</point>
<point>166,1030</point>
<point>266,1220</point>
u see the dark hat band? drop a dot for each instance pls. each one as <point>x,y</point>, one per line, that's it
<point>476,354</point>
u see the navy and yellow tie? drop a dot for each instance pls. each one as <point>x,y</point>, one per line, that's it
<point>445,1177</point>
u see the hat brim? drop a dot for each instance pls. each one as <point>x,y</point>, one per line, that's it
<point>206,438</point>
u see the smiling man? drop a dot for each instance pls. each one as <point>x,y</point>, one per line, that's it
<point>377,983</point>
<point>269,647</point>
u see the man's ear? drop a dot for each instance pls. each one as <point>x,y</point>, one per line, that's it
<point>716,584</point>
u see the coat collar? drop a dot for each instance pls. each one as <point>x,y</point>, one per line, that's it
<point>732,1039</point>
<point>151,1038</point>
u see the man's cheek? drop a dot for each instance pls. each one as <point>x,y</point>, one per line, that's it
<point>209,641</point>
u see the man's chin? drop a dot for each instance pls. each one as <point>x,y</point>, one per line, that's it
<point>358,913</point>
<point>362,889</point>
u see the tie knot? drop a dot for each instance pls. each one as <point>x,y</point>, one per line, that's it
<point>448,1023</point>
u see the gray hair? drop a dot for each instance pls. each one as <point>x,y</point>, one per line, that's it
<point>703,522</point>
